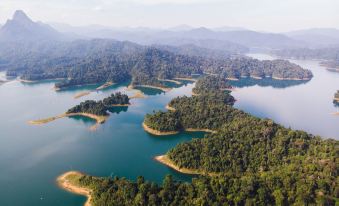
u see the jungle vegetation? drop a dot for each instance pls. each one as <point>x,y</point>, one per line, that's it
<point>100,107</point>
<point>99,61</point>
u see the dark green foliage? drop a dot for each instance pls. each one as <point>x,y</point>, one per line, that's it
<point>116,99</point>
<point>257,162</point>
<point>100,61</point>
<point>100,107</point>
<point>211,84</point>
<point>163,121</point>
<point>246,67</point>
<point>90,106</point>
<point>278,188</point>
<point>247,82</point>
<point>206,111</point>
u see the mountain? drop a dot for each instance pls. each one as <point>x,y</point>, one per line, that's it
<point>229,28</point>
<point>21,28</point>
<point>182,27</point>
<point>317,37</point>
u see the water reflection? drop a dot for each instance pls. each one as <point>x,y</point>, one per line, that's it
<point>248,82</point>
<point>117,110</point>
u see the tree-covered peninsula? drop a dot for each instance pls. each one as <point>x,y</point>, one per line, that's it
<point>328,56</point>
<point>96,110</point>
<point>248,161</point>
<point>100,61</point>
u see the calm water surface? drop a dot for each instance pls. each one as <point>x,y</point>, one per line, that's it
<point>31,157</point>
<point>307,106</point>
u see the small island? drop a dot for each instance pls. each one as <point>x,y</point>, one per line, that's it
<point>96,110</point>
<point>336,99</point>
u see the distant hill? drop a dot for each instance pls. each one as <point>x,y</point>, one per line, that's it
<point>22,28</point>
<point>317,37</point>
<point>237,36</point>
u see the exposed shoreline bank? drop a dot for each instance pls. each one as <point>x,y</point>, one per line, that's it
<point>185,79</point>
<point>163,159</point>
<point>104,86</point>
<point>159,133</point>
<point>164,89</point>
<point>170,108</point>
<point>64,181</point>
<point>170,80</point>
<point>81,94</point>
<point>98,119</point>
<point>156,132</point>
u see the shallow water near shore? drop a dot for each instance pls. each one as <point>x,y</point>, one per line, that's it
<point>31,157</point>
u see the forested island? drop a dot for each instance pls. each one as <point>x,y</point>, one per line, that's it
<point>99,61</point>
<point>336,98</point>
<point>100,107</point>
<point>96,110</point>
<point>246,161</point>
<point>328,56</point>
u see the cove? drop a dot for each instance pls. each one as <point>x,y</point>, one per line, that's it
<point>304,106</point>
<point>31,157</point>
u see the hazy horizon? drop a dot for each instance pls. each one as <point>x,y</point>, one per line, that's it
<point>261,15</point>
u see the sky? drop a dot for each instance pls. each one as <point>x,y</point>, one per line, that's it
<point>259,15</point>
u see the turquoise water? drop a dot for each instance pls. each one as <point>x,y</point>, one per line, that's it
<point>31,157</point>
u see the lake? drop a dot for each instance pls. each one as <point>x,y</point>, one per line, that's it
<point>307,106</point>
<point>31,157</point>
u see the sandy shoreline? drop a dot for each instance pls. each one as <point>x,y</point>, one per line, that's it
<point>163,159</point>
<point>200,130</point>
<point>170,80</point>
<point>65,183</point>
<point>120,105</point>
<point>186,79</point>
<point>81,94</point>
<point>107,84</point>
<point>170,108</point>
<point>138,95</point>
<point>98,119</point>
<point>164,89</point>
<point>156,132</point>
<point>159,133</point>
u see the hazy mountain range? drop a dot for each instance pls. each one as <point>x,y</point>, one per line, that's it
<point>234,39</point>
<point>22,28</point>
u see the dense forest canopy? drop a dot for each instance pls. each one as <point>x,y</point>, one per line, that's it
<point>256,162</point>
<point>98,61</point>
<point>100,107</point>
<point>211,84</point>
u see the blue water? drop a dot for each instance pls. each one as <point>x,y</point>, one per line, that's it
<point>307,106</point>
<point>31,157</point>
